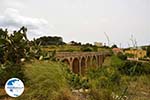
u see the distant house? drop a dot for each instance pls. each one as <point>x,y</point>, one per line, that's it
<point>117,50</point>
<point>138,53</point>
<point>99,44</point>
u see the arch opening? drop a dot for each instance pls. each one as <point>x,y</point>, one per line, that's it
<point>94,62</point>
<point>66,61</point>
<point>75,66</point>
<point>88,61</point>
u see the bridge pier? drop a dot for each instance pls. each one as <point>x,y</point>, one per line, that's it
<point>82,65</point>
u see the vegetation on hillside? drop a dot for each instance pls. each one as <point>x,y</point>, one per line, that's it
<point>47,79</point>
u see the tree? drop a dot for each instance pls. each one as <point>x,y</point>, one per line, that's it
<point>114,46</point>
<point>148,51</point>
<point>48,40</point>
<point>75,43</point>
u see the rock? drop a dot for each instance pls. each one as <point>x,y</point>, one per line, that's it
<point>75,91</point>
<point>81,90</point>
<point>86,90</point>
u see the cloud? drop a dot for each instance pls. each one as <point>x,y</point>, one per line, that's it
<point>13,3</point>
<point>12,20</point>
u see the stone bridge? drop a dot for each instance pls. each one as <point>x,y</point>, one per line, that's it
<point>79,61</point>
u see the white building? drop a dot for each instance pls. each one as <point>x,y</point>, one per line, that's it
<point>99,44</point>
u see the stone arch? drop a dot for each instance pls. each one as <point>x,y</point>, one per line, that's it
<point>83,65</point>
<point>75,66</point>
<point>94,62</point>
<point>66,61</point>
<point>57,59</point>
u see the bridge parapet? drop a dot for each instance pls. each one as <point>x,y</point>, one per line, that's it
<point>72,54</point>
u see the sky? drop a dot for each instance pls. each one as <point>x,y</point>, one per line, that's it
<point>85,21</point>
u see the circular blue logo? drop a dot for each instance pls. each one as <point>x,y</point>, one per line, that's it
<point>14,87</point>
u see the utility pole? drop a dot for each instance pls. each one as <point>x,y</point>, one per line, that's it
<point>107,37</point>
<point>134,41</point>
<point>120,45</point>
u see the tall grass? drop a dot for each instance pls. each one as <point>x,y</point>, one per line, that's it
<point>45,81</point>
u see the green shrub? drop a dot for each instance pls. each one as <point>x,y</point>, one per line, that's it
<point>76,81</point>
<point>86,49</point>
<point>105,77</point>
<point>134,68</point>
<point>104,81</point>
<point>122,56</point>
<point>10,70</point>
<point>116,61</point>
<point>129,55</point>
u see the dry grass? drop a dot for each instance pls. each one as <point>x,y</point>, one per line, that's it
<point>139,88</point>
